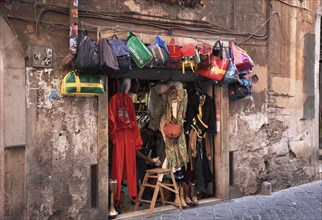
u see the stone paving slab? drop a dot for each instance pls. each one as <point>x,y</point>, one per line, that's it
<point>302,202</point>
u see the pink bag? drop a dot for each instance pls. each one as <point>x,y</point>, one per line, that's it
<point>241,59</point>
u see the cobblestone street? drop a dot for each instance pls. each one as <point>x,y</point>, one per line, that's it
<point>302,202</point>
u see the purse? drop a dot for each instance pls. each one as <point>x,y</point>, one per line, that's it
<point>122,54</point>
<point>159,51</point>
<point>138,51</point>
<point>241,58</point>
<point>87,58</point>
<point>175,55</point>
<point>219,64</point>
<point>172,131</point>
<point>188,53</point>
<point>108,60</point>
<point>205,53</point>
<point>231,75</point>
<point>82,85</point>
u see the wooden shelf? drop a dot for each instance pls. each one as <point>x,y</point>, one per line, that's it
<point>161,74</point>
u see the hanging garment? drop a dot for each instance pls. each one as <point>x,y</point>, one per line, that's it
<point>125,136</point>
<point>174,105</point>
<point>202,172</point>
<point>200,120</point>
<point>201,113</point>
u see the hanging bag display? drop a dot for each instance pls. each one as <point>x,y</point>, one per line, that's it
<point>219,64</point>
<point>138,51</point>
<point>241,58</point>
<point>108,60</point>
<point>175,55</point>
<point>88,57</point>
<point>82,85</point>
<point>188,53</point>
<point>122,54</point>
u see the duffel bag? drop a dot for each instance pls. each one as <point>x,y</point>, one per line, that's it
<point>82,85</point>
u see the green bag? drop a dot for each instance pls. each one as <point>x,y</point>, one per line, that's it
<point>138,51</point>
<point>82,85</point>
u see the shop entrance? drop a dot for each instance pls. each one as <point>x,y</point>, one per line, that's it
<point>143,81</point>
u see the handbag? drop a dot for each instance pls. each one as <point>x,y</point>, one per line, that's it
<point>108,60</point>
<point>231,75</point>
<point>205,53</point>
<point>172,131</point>
<point>175,55</point>
<point>82,85</point>
<point>237,91</point>
<point>87,58</point>
<point>138,51</point>
<point>159,51</point>
<point>122,54</point>
<point>219,64</point>
<point>241,58</point>
<point>188,53</point>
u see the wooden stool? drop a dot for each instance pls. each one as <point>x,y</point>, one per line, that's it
<point>158,173</point>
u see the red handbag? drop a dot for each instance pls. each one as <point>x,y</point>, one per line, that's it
<point>205,52</point>
<point>188,52</point>
<point>175,55</point>
<point>219,64</point>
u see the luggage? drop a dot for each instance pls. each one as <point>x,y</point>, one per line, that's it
<point>82,85</point>
<point>88,57</point>
<point>122,54</point>
<point>140,54</point>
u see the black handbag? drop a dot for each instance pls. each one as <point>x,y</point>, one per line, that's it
<point>87,59</point>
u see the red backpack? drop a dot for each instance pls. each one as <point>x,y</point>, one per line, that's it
<point>175,55</point>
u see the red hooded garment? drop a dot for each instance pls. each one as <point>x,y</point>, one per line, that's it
<point>126,138</point>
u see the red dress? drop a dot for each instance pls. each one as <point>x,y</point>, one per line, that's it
<point>126,138</point>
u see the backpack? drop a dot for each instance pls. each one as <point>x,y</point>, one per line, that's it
<point>159,51</point>
<point>108,60</point>
<point>122,54</point>
<point>88,57</point>
<point>188,52</point>
<point>175,55</point>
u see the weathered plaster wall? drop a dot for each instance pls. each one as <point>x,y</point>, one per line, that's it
<point>274,142</point>
<point>12,125</point>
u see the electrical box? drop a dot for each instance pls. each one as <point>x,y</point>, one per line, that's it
<point>42,57</point>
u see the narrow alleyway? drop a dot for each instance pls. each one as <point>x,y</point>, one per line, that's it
<point>302,202</point>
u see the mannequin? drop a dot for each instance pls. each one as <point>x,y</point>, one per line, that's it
<point>174,105</point>
<point>125,136</point>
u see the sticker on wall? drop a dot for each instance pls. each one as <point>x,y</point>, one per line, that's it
<point>42,57</point>
<point>74,13</point>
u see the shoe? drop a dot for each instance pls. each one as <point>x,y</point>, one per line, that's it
<point>193,193</point>
<point>133,201</point>
<point>186,193</point>
<point>181,195</point>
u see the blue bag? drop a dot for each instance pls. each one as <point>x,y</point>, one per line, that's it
<point>121,51</point>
